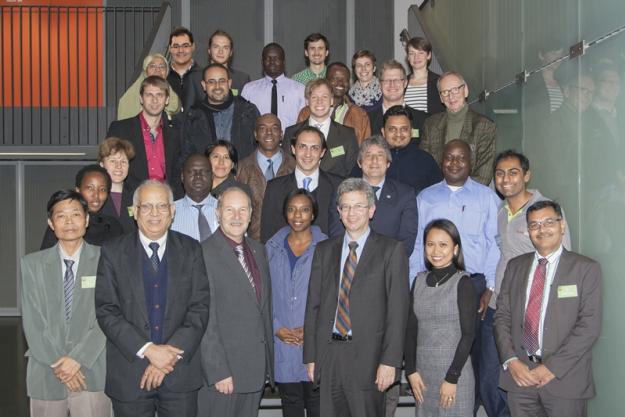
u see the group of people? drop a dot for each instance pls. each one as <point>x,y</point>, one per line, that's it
<point>308,233</point>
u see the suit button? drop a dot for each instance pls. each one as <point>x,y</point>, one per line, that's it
<point>157,306</point>
<point>156,327</point>
<point>145,326</point>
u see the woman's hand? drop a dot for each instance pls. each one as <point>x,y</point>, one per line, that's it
<point>448,394</point>
<point>417,385</point>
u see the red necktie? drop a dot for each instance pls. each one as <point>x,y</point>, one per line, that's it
<point>534,304</point>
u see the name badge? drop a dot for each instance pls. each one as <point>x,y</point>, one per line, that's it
<point>415,133</point>
<point>131,211</point>
<point>338,151</point>
<point>567,291</point>
<point>235,91</point>
<point>87,282</point>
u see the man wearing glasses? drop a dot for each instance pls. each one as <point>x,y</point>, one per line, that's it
<point>548,318</point>
<point>184,75</point>
<point>151,300</point>
<point>221,115</point>
<point>393,80</point>
<point>353,336</point>
<point>459,122</point>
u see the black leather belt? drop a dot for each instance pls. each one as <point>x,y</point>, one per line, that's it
<point>535,358</point>
<point>341,338</point>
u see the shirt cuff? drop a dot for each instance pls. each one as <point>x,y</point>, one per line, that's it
<point>506,363</point>
<point>141,352</point>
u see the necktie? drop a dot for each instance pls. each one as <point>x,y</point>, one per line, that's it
<point>307,181</point>
<point>343,321</point>
<point>274,97</point>
<point>68,287</point>
<point>375,192</point>
<point>241,257</point>
<point>202,223</point>
<point>319,126</point>
<point>269,174</point>
<point>154,258</point>
<point>534,304</point>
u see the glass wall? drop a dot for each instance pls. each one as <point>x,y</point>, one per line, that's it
<point>568,118</point>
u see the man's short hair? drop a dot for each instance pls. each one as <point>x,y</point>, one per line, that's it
<point>179,31</point>
<point>82,172</point>
<point>420,44</point>
<point>392,64</point>
<point>314,84</point>
<point>397,110</point>
<point>223,33</point>
<point>112,145</point>
<point>153,183</point>
<point>63,195</point>
<point>154,81</point>
<point>448,73</point>
<point>215,65</point>
<point>376,140</point>
<point>340,65</point>
<point>511,153</point>
<point>273,45</point>
<point>231,189</point>
<point>307,128</point>
<point>539,205</point>
<point>355,184</point>
<point>314,37</point>
<point>232,152</point>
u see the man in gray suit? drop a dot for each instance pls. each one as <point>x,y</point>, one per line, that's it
<point>152,304</point>
<point>237,349</point>
<point>356,311</point>
<point>548,318</point>
<point>66,356</point>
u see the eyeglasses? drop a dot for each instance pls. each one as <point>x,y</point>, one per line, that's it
<point>358,208</point>
<point>452,90</point>
<point>395,81</point>
<point>213,82</point>
<point>177,46</point>
<point>157,66</point>
<point>147,208</point>
<point>548,223</point>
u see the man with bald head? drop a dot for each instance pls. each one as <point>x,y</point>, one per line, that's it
<point>460,122</point>
<point>472,207</point>
<point>269,161</point>
<point>237,349</point>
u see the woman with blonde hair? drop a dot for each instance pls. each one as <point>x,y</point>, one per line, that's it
<point>130,105</point>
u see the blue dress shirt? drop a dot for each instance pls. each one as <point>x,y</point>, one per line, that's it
<point>473,209</point>
<point>263,164</point>
<point>185,218</point>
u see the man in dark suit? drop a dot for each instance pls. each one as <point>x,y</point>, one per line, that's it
<point>460,122</point>
<point>308,146</point>
<point>393,82</point>
<point>341,140</point>
<point>356,311</point>
<point>151,302</point>
<point>156,142</point>
<point>396,203</point>
<point>237,349</point>
<point>548,318</point>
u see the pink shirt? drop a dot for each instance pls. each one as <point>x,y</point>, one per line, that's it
<point>154,150</point>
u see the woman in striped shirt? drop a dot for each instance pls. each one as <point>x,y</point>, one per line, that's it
<point>421,92</point>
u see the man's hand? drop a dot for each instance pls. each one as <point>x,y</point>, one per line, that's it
<point>484,300</point>
<point>65,368</point>
<point>164,357</point>
<point>310,368</point>
<point>77,383</point>
<point>417,385</point>
<point>152,378</point>
<point>299,333</point>
<point>288,336</point>
<point>384,377</point>
<point>543,374</point>
<point>225,386</point>
<point>522,374</point>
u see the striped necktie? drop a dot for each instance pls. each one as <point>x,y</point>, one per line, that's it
<point>68,287</point>
<point>241,257</point>
<point>534,306</point>
<point>343,320</point>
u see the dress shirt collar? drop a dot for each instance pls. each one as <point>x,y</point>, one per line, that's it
<point>361,241</point>
<point>75,257</point>
<point>208,201</point>
<point>551,258</point>
<point>299,177</point>
<point>145,242</point>
<point>279,78</point>
<point>261,160</point>
<point>380,185</point>
<point>323,126</point>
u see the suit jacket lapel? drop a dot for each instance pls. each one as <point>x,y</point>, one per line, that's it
<point>332,140</point>
<point>551,315</point>
<point>264,274</point>
<point>170,149</point>
<point>54,282</point>
<point>231,262</point>
<point>175,257</point>
<point>133,262</point>
<point>140,159</point>
<point>366,256</point>
<point>87,265</point>
<point>467,128</point>
<point>522,286</point>
<point>335,269</point>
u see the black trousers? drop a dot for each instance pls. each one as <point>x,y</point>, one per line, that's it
<point>299,399</point>
<point>161,401</point>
